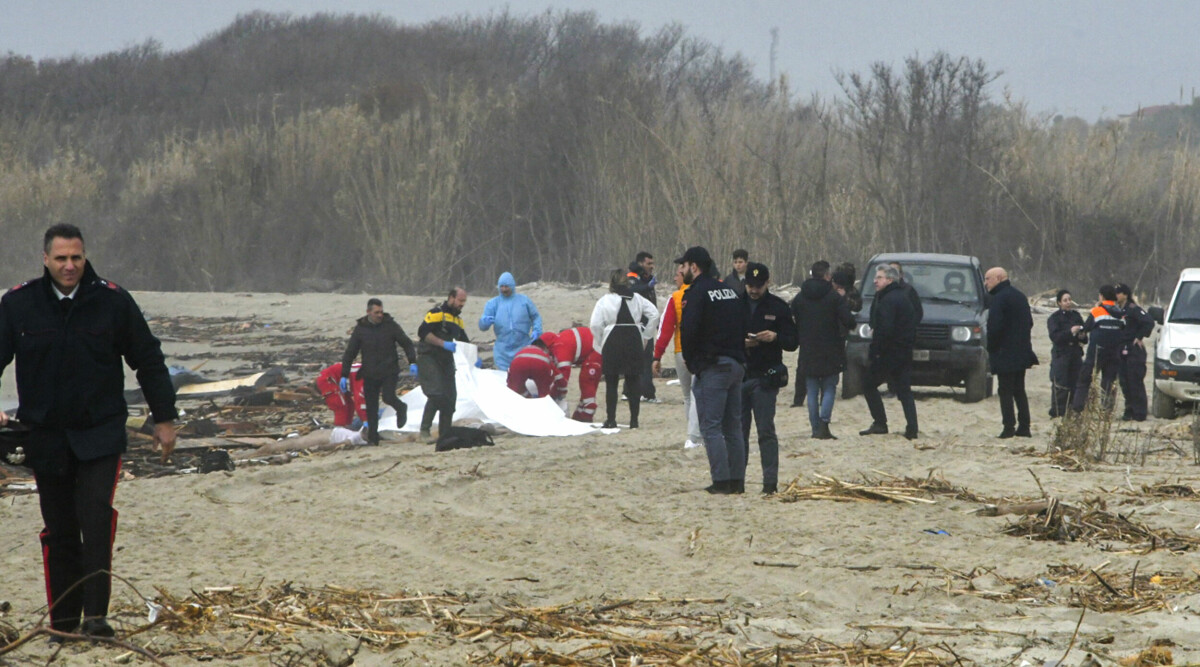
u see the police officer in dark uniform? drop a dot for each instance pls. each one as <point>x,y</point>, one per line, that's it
<point>376,335</point>
<point>1105,329</point>
<point>1066,352</point>
<point>437,334</point>
<point>713,342</point>
<point>770,331</point>
<point>70,331</point>
<point>1138,325</point>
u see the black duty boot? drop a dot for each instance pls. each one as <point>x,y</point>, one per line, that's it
<point>721,488</point>
<point>875,428</point>
<point>1023,432</point>
<point>1008,432</point>
<point>910,433</point>
<point>770,489</point>
<point>737,485</point>
<point>97,627</point>
<point>609,423</point>
<point>823,432</point>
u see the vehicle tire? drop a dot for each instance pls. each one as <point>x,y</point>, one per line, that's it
<point>852,380</point>
<point>1162,406</point>
<point>979,384</point>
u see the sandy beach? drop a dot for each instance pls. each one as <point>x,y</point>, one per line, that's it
<point>548,521</point>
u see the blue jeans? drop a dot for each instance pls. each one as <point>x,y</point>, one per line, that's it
<point>821,393</point>
<point>718,394</point>
<point>758,403</point>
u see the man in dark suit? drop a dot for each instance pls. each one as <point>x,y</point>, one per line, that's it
<point>1010,349</point>
<point>70,331</point>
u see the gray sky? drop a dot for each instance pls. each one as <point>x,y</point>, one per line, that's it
<point>1092,59</point>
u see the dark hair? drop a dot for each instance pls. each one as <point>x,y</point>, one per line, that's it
<point>374,302</point>
<point>1108,293</point>
<point>819,269</point>
<point>1122,288</point>
<point>454,292</point>
<point>741,254</point>
<point>1059,295</point>
<point>642,256</point>
<point>60,231</point>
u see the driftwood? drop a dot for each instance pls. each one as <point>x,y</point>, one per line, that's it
<point>1014,508</point>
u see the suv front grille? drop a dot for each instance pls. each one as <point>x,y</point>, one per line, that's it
<point>933,333</point>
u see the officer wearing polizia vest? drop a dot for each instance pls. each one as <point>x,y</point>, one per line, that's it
<point>713,338</point>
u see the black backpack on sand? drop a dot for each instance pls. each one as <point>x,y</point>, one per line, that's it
<point>463,437</point>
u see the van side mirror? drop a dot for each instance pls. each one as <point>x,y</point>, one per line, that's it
<point>1156,313</point>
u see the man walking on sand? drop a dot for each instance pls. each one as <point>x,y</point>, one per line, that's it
<point>70,331</point>
<point>376,336</point>
<point>1010,350</point>
<point>894,331</point>
<point>438,334</point>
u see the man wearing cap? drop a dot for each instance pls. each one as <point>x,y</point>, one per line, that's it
<point>713,340</point>
<point>770,331</point>
<point>1138,325</point>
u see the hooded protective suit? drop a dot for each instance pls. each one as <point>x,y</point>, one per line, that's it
<point>516,319</point>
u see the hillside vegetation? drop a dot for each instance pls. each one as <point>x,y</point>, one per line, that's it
<point>351,152</point>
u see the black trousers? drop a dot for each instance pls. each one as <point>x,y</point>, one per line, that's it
<point>634,394</point>
<point>372,389</point>
<point>1064,376</point>
<point>758,403</point>
<point>1105,362</point>
<point>1011,387</point>
<point>77,541</point>
<point>899,379</point>
<point>1133,382</point>
<point>436,373</point>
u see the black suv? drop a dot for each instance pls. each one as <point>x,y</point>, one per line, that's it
<point>950,350</point>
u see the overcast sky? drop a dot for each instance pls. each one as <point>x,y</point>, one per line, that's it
<point>1092,59</point>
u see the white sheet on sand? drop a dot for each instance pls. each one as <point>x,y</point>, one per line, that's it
<point>484,396</point>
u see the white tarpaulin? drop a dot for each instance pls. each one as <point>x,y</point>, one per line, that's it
<point>484,396</point>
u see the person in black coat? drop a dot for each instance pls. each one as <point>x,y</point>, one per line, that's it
<point>642,282</point>
<point>894,332</point>
<point>911,292</point>
<point>71,332</point>
<point>1132,376</point>
<point>1010,349</point>
<point>376,335</point>
<point>823,319</point>
<point>1066,352</point>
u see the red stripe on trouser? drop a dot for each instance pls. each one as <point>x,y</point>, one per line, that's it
<point>46,566</point>
<point>112,536</point>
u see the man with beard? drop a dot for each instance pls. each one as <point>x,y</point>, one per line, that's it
<point>1010,350</point>
<point>713,341</point>
<point>894,331</point>
<point>438,332</point>
<point>376,334</point>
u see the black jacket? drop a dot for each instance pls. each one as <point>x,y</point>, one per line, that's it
<point>1105,327</point>
<point>736,282</point>
<point>823,319</point>
<point>894,328</point>
<point>1138,323</point>
<point>1009,343</point>
<point>378,342</point>
<point>770,313</point>
<point>1063,343</point>
<point>641,283</point>
<point>70,373</point>
<point>914,298</point>
<point>713,324</point>
<point>444,323</point>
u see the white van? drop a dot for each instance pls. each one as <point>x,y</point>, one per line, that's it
<point>1177,354</point>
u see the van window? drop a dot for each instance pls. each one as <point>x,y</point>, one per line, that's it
<point>934,281</point>
<point>1187,304</point>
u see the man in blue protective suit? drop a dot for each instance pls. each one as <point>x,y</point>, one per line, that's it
<point>517,321</point>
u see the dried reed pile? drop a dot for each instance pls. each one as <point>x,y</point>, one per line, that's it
<point>1093,524</point>
<point>884,488</point>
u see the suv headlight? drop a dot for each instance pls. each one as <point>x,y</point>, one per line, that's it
<point>1178,356</point>
<point>960,334</point>
<point>864,330</point>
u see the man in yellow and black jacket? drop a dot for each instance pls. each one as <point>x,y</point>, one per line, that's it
<point>1105,329</point>
<point>437,334</point>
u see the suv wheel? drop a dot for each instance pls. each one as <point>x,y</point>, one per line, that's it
<point>852,380</point>
<point>979,383</point>
<point>1162,405</point>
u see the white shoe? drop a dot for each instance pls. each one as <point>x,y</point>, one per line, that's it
<point>691,445</point>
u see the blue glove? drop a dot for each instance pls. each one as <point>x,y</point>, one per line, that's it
<point>479,363</point>
<point>412,369</point>
<point>487,321</point>
<point>449,346</point>
<point>344,385</point>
